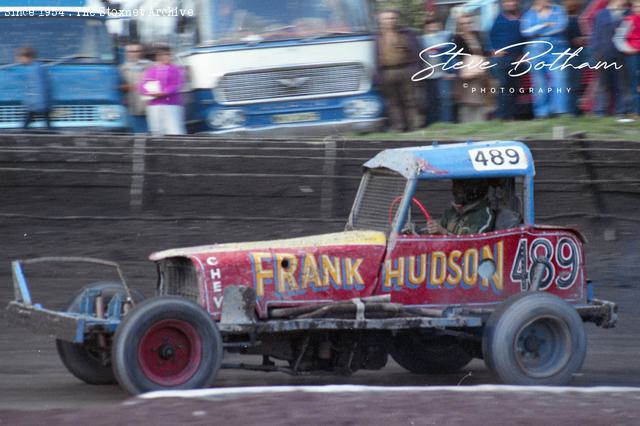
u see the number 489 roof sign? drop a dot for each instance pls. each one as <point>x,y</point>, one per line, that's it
<point>455,161</point>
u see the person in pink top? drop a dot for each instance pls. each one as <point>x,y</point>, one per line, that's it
<point>161,85</point>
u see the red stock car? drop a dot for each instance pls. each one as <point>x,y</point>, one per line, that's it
<point>516,297</point>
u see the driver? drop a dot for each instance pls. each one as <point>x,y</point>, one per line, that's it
<point>470,212</point>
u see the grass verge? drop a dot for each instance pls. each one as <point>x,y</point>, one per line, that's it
<point>595,128</point>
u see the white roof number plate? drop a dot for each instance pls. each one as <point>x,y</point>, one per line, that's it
<point>498,158</point>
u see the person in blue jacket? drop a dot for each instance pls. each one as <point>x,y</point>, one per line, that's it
<point>505,32</point>
<point>547,22</point>
<point>36,97</point>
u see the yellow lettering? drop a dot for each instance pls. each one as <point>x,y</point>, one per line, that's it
<point>470,269</point>
<point>351,272</point>
<point>438,268</point>
<point>391,273</point>
<point>417,278</point>
<point>286,267</point>
<point>497,278</point>
<point>331,271</point>
<point>261,274</point>
<point>454,278</point>
<point>310,273</point>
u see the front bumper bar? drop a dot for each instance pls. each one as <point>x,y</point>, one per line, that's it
<point>600,312</point>
<point>322,128</point>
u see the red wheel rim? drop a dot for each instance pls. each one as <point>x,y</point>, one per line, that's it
<point>170,352</point>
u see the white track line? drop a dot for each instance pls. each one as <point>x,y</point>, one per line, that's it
<point>203,393</point>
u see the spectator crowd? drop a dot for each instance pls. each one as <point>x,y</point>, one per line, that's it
<point>151,90</point>
<point>602,75</point>
<point>601,38</point>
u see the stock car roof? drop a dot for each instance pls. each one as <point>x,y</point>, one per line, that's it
<point>459,160</point>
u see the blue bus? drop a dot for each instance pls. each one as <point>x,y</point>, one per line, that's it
<point>72,42</point>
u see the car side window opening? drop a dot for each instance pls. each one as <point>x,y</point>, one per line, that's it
<point>464,206</point>
<point>383,191</point>
<point>505,201</point>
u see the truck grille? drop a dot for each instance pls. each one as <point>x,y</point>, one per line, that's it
<point>17,113</point>
<point>9,114</point>
<point>300,82</point>
<point>178,278</point>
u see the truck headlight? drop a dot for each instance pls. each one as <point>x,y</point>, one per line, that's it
<point>226,118</point>
<point>110,113</point>
<point>362,108</point>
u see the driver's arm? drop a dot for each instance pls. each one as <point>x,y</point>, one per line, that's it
<point>434,227</point>
<point>438,227</point>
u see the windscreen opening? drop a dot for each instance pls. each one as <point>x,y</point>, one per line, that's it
<point>57,39</point>
<point>378,200</point>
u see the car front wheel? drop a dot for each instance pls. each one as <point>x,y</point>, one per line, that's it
<point>166,343</point>
<point>534,339</point>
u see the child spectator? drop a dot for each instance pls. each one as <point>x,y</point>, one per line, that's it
<point>36,97</point>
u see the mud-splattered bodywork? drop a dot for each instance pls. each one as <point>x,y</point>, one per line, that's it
<point>327,267</point>
<point>432,271</point>
<point>374,258</point>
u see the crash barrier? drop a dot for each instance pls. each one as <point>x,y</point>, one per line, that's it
<point>57,176</point>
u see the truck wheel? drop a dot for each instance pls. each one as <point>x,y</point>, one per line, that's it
<point>429,355</point>
<point>84,360</point>
<point>166,342</point>
<point>534,339</point>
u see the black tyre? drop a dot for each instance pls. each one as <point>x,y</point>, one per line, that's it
<point>534,339</point>
<point>166,343</point>
<point>429,355</point>
<point>86,360</point>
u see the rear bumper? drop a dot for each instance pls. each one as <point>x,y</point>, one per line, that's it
<point>62,325</point>
<point>69,326</point>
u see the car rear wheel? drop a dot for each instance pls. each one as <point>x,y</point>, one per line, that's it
<point>166,343</point>
<point>534,339</point>
<point>429,355</point>
<point>87,361</point>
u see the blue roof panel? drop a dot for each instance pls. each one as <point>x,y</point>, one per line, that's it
<point>460,160</point>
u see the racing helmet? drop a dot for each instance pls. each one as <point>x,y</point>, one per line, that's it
<point>468,191</point>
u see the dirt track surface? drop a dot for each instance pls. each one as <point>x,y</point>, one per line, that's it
<point>33,379</point>
<point>369,408</point>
